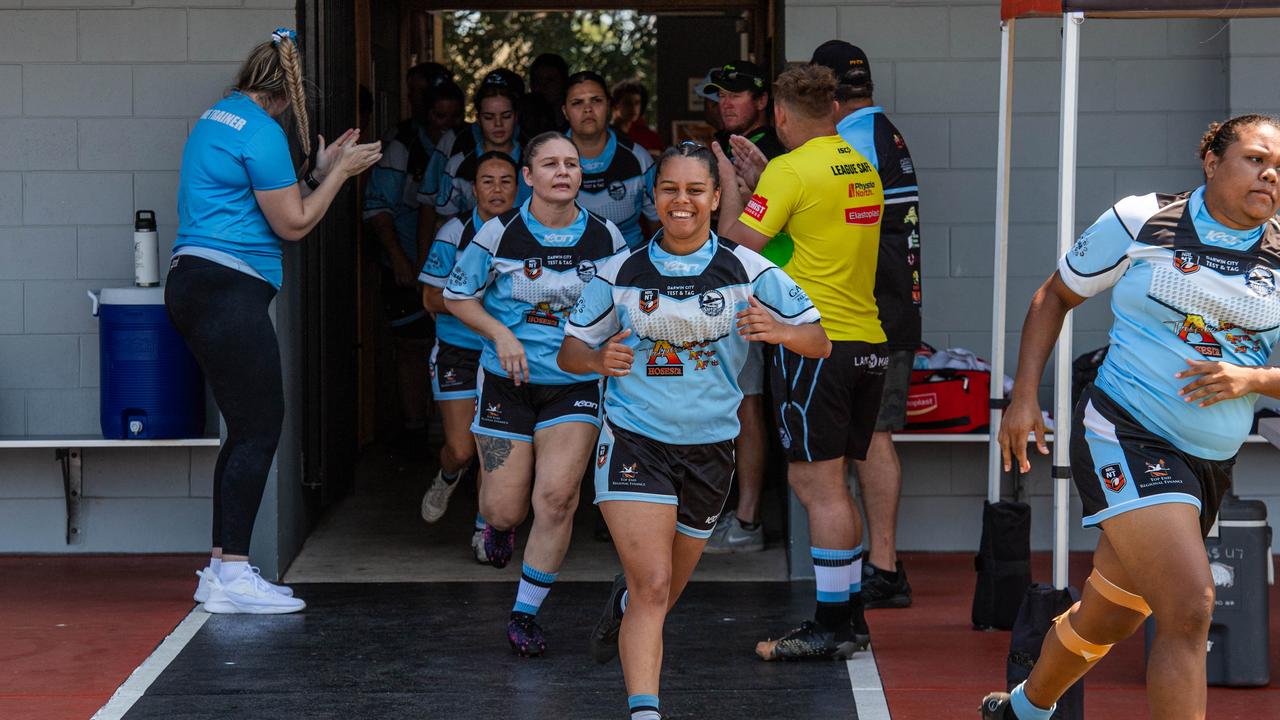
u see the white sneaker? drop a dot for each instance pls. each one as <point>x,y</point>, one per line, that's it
<point>248,594</point>
<point>477,546</point>
<point>205,575</point>
<point>436,500</point>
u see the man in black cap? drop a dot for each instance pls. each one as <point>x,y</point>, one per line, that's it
<point>864,126</point>
<point>743,91</point>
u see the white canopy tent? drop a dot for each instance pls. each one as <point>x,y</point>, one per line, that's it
<point>1073,14</point>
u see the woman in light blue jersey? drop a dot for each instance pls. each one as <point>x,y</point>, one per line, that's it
<point>1193,281</point>
<point>669,325</point>
<point>535,424</point>
<point>617,174</point>
<point>455,360</point>
<point>238,198</point>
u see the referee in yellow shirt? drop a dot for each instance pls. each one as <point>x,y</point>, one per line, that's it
<point>829,198</point>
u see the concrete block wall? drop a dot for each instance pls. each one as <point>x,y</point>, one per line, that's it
<point>1148,88</point>
<point>96,99</point>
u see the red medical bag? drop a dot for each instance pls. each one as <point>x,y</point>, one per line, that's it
<point>948,401</point>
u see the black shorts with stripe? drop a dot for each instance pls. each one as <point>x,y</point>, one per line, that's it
<point>693,478</point>
<point>827,408</point>
<point>516,412</point>
<point>1118,465</point>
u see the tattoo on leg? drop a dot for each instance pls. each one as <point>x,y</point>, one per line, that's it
<point>494,451</point>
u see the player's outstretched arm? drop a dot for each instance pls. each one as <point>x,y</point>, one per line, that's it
<point>1049,307</point>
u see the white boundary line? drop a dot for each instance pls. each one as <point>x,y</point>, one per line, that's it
<point>146,673</point>
<point>868,693</point>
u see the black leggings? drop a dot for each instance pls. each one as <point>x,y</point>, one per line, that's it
<point>222,314</point>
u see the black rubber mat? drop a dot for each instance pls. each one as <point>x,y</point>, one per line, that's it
<point>439,650</point>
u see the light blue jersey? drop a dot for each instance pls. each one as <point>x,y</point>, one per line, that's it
<point>457,185</point>
<point>234,149</point>
<point>682,313</point>
<point>453,237</point>
<point>394,185</point>
<point>1185,288</point>
<point>529,277</point>
<point>618,185</point>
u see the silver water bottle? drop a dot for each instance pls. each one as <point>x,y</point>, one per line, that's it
<point>146,249</point>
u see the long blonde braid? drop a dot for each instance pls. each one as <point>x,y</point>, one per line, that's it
<point>292,65</point>
<point>275,70</point>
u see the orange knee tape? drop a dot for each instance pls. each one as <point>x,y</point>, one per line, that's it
<point>1072,641</point>
<point>1118,595</point>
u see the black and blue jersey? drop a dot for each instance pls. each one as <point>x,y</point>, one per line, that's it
<point>898,286</point>
<point>452,239</point>
<point>529,277</point>
<point>682,312</point>
<point>618,185</point>
<point>1185,287</point>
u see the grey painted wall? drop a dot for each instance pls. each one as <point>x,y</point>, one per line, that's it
<point>1147,90</point>
<point>96,98</point>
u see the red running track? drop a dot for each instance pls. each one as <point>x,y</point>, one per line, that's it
<point>933,664</point>
<point>73,628</point>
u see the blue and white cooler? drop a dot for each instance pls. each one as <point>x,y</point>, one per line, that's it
<point>152,387</point>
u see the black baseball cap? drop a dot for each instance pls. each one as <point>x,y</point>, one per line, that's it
<point>848,62</point>
<point>736,77</point>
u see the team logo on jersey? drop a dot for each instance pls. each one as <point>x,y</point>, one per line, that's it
<point>757,207</point>
<point>907,166</point>
<point>1113,477</point>
<point>533,268</point>
<point>664,361</point>
<point>1261,281</point>
<point>617,190</point>
<point>864,215</point>
<point>542,314</point>
<point>602,455</point>
<point>898,142</point>
<point>648,301</point>
<point>586,271</point>
<point>1158,470</point>
<point>1195,332</point>
<point>797,293</point>
<point>912,218</point>
<point>711,302</point>
<point>493,411</point>
<point>450,377</point>
<point>628,473</point>
<point>1186,262</point>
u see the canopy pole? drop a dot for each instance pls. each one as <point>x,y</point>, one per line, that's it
<point>1000,269</point>
<point>1071,23</point>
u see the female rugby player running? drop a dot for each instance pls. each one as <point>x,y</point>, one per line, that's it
<point>686,305</point>
<point>535,424</point>
<point>1154,438</point>
<point>456,356</point>
<point>617,178</point>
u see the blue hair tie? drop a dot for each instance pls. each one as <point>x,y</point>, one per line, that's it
<point>281,34</point>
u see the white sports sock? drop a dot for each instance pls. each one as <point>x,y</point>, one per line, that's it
<point>232,570</point>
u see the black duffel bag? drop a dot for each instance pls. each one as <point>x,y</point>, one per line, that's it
<point>1003,564</point>
<point>1041,604</point>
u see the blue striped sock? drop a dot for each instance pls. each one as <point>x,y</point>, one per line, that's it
<point>855,572</point>
<point>831,571</point>
<point>643,707</point>
<point>534,586</point>
<point>1024,709</point>
<point>479,521</point>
